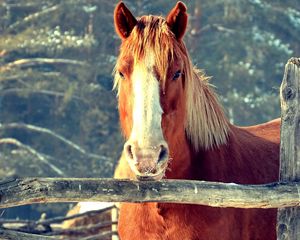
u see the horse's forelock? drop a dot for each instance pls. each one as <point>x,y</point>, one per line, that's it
<point>151,34</point>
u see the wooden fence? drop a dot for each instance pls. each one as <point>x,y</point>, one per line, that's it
<point>288,220</point>
<point>284,195</point>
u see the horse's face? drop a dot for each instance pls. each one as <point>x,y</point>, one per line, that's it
<point>152,114</point>
<point>151,105</point>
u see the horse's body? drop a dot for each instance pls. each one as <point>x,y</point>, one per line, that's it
<point>250,157</point>
<point>175,128</point>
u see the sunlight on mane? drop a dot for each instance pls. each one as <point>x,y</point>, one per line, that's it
<point>206,125</point>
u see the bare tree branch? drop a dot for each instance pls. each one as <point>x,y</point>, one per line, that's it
<point>13,235</point>
<point>45,92</point>
<point>32,17</point>
<point>51,133</point>
<point>81,230</point>
<point>85,214</point>
<point>45,227</point>
<point>216,27</point>
<point>49,221</point>
<point>30,62</point>
<point>21,5</point>
<point>32,151</point>
<point>31,227</point>
<point>26,75</point>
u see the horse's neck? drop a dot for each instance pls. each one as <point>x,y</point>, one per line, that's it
<point>245,158</point>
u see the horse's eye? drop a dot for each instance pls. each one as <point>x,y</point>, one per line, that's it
<point>177,75</point>
<point>121,75</point>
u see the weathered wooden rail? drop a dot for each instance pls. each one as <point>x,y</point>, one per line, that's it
<point>284,194</point>
<point>23,191</point>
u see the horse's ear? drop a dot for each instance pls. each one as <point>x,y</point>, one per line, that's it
<point>124,20</point>
<point>177,20</point>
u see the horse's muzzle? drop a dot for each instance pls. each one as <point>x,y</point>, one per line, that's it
<point>147,163</point>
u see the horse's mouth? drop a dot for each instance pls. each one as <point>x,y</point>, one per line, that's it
<point>150,177</point>
<point>150,172</point>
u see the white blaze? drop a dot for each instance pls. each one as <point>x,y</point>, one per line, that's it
<point>147,111</point>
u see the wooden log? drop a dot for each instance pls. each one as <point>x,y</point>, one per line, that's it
<point>288,222</point>
<point>17,235</point>
<point>14,235</point>
<point>21,191</point>
<point>44,228</point>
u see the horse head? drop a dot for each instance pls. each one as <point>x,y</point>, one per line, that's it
<point>165,104</point>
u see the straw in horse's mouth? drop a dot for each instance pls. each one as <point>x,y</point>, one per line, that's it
<point>152,177</point>
<point>144,178</point>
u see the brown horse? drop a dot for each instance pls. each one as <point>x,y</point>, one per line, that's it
<point>176,129</point>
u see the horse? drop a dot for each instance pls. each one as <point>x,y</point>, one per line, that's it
<point>175,128</point>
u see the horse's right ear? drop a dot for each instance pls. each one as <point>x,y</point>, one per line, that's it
<point>124,20</point>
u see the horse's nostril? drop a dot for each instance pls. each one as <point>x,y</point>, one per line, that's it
<point>128,150</point>
<point>163,153</point>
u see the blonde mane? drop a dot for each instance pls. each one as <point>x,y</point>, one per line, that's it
<point>206,125</point>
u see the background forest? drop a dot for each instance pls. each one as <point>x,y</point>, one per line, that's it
<point>58,114</point>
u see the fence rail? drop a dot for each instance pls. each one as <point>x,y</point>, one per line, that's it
<point>21,191</point>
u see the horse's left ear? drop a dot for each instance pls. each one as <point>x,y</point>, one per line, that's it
<point>124,20</point>
<point>177,20</point>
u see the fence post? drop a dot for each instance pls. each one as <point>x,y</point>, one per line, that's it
<point>288,220</point>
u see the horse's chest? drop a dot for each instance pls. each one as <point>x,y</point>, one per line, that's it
<point>188,222</point>
<point>149,221</point>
